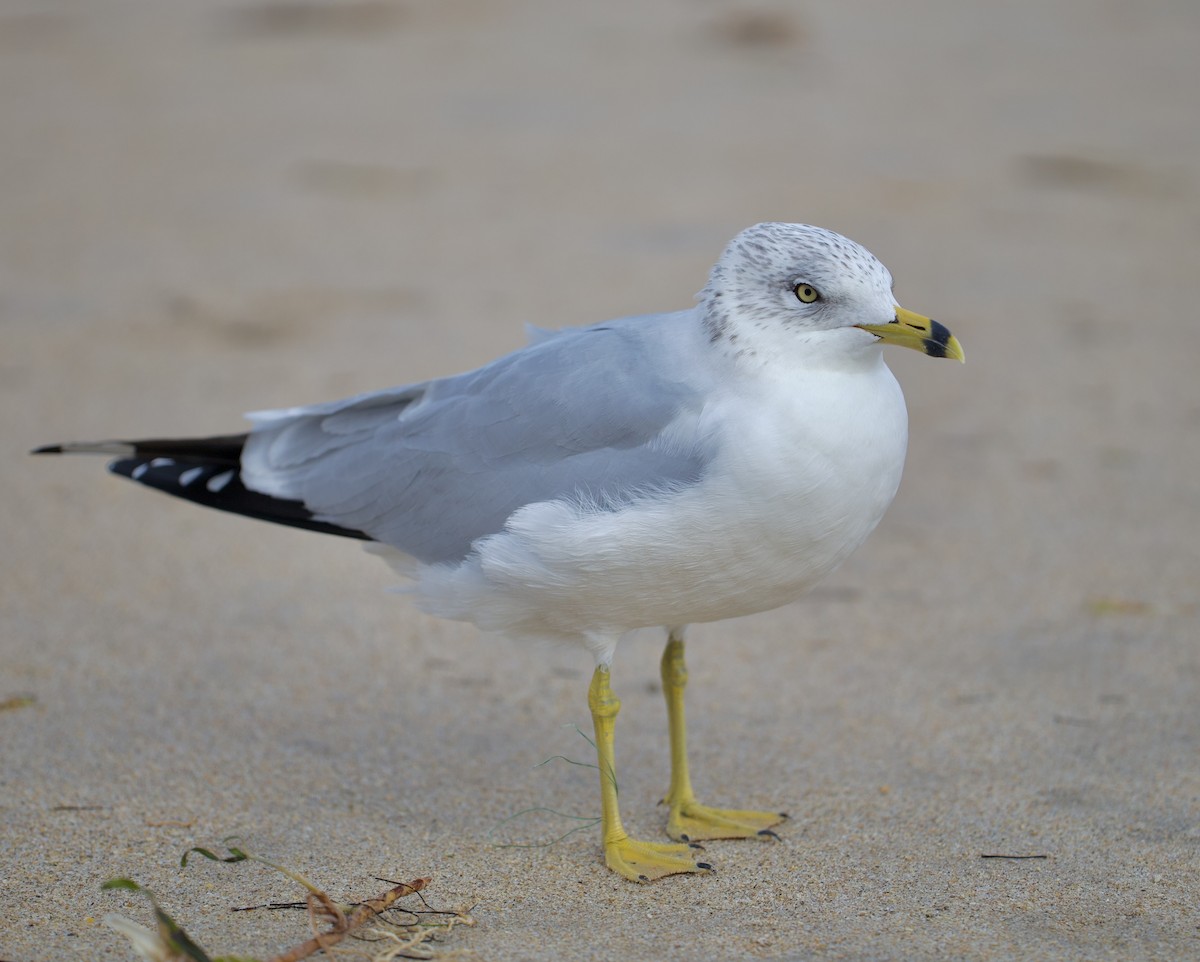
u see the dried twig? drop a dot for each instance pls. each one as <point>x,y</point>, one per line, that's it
<point>322,908</point>
<point>329,922</point>
<point>1014,857</point>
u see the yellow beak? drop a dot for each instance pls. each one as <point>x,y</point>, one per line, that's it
<point>918,332</point>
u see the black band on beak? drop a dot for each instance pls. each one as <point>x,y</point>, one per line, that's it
<point>935,344</point>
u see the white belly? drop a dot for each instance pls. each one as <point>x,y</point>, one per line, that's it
<point>799,484</point>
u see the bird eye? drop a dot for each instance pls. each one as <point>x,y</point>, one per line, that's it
<point>806,293</point>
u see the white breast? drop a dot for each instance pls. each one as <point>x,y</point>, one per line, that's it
<point>806,471</point>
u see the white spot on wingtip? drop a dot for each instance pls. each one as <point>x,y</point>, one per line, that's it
<point>218,481</point>
<point>162,463</point>
<point>190,475</point>
<point>137,472</point>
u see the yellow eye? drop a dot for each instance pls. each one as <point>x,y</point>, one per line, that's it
<point>806,293</point>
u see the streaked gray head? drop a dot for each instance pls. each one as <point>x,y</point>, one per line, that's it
<point>797,276</point>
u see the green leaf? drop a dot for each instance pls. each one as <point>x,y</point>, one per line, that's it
<point>122,883</point>
<point>235,855</point>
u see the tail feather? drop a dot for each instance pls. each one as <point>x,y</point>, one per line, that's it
<point>221,449</point>
<point>204,470</point>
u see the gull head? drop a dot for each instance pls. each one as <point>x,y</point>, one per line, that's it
<point>783,288</point>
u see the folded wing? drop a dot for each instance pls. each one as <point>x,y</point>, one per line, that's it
<point>589,414</point>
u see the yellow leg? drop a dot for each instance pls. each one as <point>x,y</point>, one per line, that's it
<point>689,821</point>
<point>638,861</point>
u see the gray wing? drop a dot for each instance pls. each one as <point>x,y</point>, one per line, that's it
<point>603,413</point>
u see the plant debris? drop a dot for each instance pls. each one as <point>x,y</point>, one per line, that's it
<point>391,931</point>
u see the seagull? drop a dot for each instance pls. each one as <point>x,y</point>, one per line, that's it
<point>653,471</point>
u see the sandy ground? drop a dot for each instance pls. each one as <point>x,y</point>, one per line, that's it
<point>212,208</point>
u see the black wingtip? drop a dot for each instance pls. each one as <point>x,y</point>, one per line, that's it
<point>217,485</point>
<point>206,471</point>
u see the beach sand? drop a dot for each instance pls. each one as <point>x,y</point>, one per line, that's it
<point>213,208</point>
